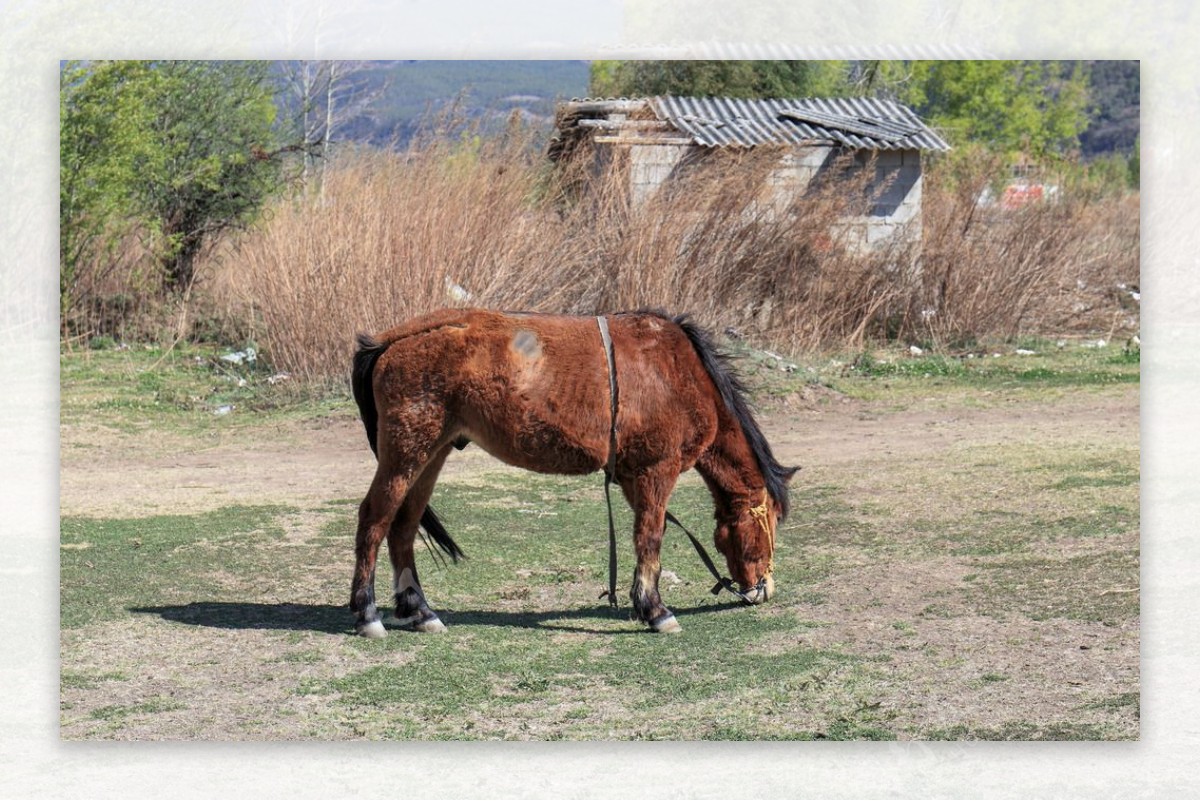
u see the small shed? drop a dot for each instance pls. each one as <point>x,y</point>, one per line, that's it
<point>663,134</point>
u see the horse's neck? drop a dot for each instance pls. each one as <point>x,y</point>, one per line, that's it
<point>730,469</point>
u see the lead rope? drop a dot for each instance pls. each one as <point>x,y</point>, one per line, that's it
<point>610,468</point>
<point>759,512</point>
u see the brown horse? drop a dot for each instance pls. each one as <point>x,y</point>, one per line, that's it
<point>534,391</point>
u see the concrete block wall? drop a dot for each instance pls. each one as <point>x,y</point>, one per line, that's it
<point>896,202</point>
<point>650,166</point>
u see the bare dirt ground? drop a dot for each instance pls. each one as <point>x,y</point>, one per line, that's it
<point>106,473</point>
<point>866,448</point>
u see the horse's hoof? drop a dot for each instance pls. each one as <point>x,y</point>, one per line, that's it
<point>667,624</point>
<point>372,630</point>
<point>428,623</point>
<point>430,626</point>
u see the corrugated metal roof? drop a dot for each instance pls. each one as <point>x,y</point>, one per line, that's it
<point>860,123</point>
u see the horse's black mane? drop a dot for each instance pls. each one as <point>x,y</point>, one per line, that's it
<point>718,364</point>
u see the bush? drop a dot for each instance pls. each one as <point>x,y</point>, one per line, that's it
<point>484,223</point>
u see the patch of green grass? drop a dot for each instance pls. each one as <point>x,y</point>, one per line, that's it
<point>188,388</point>
<point>1099,587</point>
<point>853,730</point>
<point>669,685</point>
<point>1026,731</point>
<point>867,365</point>
<point>108,565</point>
<point>1105,521</point>
<point>1129,355</point>
<point>982,375</point>
<point>998,532</point>
<point>824,516</point>
<point>118,712</point>
<point>1095,473</point>
<point>1117,703</point>
<point>1123,478</point>
<point>75,680</point>
<point>308,657</point>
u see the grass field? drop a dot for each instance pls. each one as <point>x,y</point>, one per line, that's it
<point>961,562</point>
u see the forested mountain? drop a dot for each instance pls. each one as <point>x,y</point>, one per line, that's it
<point>408,95</point>
<point>1115,88</point>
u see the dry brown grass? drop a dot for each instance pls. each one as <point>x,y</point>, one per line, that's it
<point>487,224</point>
<point>1046,268</point>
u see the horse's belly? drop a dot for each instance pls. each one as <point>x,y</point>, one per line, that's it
<point>543,449</point>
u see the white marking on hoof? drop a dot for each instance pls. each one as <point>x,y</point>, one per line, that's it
<point>373,630</point>
<point>770,588</point>
<point>668,625</point>
<point>431,626</point>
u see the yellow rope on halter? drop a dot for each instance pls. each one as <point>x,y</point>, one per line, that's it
<point>761,515</point>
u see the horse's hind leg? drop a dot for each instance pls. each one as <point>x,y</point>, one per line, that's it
<point>375,516</point>
<point>411,610</point>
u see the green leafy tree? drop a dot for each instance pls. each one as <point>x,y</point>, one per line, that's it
<point>215,153</point>
<point>184,149</point>
<point>104,120</point>
<point>718,78</point>
<point>1029,107</point>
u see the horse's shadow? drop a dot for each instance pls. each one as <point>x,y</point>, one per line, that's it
<point>331,619</point>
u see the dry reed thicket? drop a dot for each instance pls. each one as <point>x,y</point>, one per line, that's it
<point>1071,265</point>
<point>118,292</point>
<point>393,235</point>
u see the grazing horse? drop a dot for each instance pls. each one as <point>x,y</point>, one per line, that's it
<point>534,391</point>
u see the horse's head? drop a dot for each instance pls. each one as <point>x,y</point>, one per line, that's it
<point>745,535</point>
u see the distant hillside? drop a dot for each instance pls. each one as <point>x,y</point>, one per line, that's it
<point>415,93</point>
<point>1116,114</point>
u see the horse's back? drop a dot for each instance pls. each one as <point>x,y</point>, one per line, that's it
<point>532,389</point>
<point>529,388</point>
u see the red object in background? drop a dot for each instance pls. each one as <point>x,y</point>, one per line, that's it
<point>1018,195</point>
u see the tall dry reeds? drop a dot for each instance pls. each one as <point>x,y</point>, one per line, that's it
<point>1050,267</point>
<point>487,223</point>
<point>394,236</point>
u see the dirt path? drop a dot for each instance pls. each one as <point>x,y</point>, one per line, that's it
<point>104,474</point>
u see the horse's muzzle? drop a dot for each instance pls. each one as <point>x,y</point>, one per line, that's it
<point>760,592</point>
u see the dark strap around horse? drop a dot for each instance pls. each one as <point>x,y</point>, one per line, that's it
<point>610,468</point>
<point>723,582</point>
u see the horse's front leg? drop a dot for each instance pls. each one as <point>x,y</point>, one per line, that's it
<point>648,494</point>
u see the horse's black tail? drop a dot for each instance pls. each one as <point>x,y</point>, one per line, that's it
<point>361,374</point>
<point>433,526</point>
<point>369,351</point>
